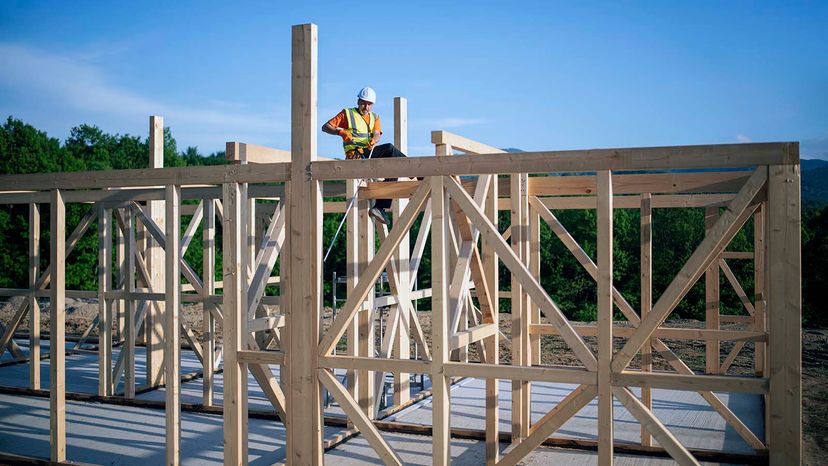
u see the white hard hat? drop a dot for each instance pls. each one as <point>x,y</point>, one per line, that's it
<point>367,94</point>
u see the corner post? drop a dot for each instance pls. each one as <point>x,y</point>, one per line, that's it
<point>605,309</point>
<point>402,341</point>
<point>304,409</point>
<point>441,441</point>
<point>34,306</point>
<point>784,264</point>
<point>155,258</point>
<point>172,306</point>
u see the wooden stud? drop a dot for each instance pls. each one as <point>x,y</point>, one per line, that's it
<point>131,324</point>
<point>209,288</point>
<point>441,398</point>
<point>155,257</point>
<point>232,324</point>
<point>304,442</point>
<point>784,265</point>
<point>104,304</point>
<point>34,306</point>
<point>711,288</point>
<point>760,320</point>
<point>366,342</point>
<point>492,344</point>
<point>605,310</point>
<point>172,360</point>
<point>402,342</point>
<point>57,325</point>
<point>646,299</point>
<point>520,313</point>
<point>353,239</point>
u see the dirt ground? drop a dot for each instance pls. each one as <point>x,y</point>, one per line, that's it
<point>81,314</point>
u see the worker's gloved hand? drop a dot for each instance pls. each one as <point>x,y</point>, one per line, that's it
<point>369,147</point>
<point>346,135</point>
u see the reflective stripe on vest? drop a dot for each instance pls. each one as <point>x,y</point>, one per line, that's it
<point>360,130</point>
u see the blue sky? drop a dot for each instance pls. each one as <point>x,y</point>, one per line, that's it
<point>531,75</point>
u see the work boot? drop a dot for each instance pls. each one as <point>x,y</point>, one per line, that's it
<point>379,215</point>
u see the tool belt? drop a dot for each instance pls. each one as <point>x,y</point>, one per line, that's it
<point>359,153</point>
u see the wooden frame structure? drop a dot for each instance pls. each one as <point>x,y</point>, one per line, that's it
<point>139,214</point>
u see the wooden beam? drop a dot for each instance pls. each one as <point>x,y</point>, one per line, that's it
<point>57,326</point>
<point>531,374</point>
<point>705,182</point>
<point>34,306</point>
<point>521,404</point>
<point>784,275</point>
<point>711,292</point>
<point>208,322</point>
<point>104,305</point>
<point>441,399</point>
<point>172,348</point>
<point>605,311</point>
<point>234,318</point>
<point>155,321</point>
<point>691,382</point>
<point>304,307</point>
<point>646,254</point>
<point>461,143</point>
<point>726,227</point>
<point>644,158</point>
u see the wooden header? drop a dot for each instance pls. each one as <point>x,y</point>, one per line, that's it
<point>645,158</point>
<point>462,144</point>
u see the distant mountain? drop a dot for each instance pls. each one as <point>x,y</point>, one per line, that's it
<point>811,164</point>
<point>814,181</point>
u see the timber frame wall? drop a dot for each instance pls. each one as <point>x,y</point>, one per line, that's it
<point>139,213</point>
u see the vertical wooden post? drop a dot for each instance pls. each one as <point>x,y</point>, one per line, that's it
<point>711,288</point>
<point>352,268</point>
<point>119,305</point>
<point>605,310</point>
<point>208,234</point>
<point>759,323</point>
<point>492,344</point>
<point>534,268</point>
<point>646,299</point>
<point>521,349</point>
<point>154,319</point>
<point>441,441</point>
<point>104,304</point>
<point>57,344</point>
<point>305,216</point>
<point>129,304</point>
<point>402,340</point>
<point>172,307</point>
<point>232,325</point>
<point>34,306</point>
<point>785,314</point>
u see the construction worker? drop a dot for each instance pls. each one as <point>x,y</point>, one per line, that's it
<point>360,131</point>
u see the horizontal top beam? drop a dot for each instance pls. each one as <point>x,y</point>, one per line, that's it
<point>645,158</point>
<point>214,174</point>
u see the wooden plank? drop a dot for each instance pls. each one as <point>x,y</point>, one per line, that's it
<point>208,321</point>
<point>711,292</point>
<point>760,317</point>
<point>155,321</point>
<point>193,175</point>
<point>668,333</point>
<point>240,152</point>
<point>726,227</point>
<point>784,281</point>
<point>352,270</point>
<point>646,254</point>
<point>605,310</point>
<point>521,405</point>
<point>509,372</point>
<point>738,254</point>
<point>646,417</point>
<point>104,304</point>
<point>57,326</point>
<point>402,340</point>
<point>234,318</point>
<point>632,202</point>
<point>472,335</point>
<point>645,158</point>
<point>131,323</point>
<point>261,357</point>
<point>172,346</point>
<point>706,182</point>
<point>492,344</point>
<point>536,292</point>
<point>365,320</point>
<point>14,323</point>
<point>34,306</point>
<point>365,426</point>
<point>379,364</point>
<point>441,399</point>
<point>692,382</point>
<point>304,441</point>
